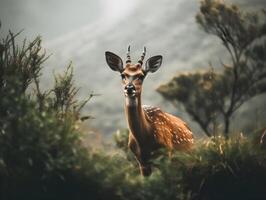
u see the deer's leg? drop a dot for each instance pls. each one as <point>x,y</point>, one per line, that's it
<point>133,145</point>
<point>141,157</point>
<point>145,166</point>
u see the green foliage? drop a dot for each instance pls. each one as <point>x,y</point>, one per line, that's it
<point>42,157</point>
<point>236,29</point>
<point>64,101</point>
<point>121,139</point>
<point>199,93</point>
<point>226,170</point>
<point>19,66</point>
<point>40,144</point>
<point>216,168</point>
<point>212,97</point>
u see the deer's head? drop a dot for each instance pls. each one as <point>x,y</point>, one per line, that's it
<point>133,74</point>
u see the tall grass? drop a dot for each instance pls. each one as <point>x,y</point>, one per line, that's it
<point>215,169</point>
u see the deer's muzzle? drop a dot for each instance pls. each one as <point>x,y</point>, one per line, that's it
<point>130,90</point>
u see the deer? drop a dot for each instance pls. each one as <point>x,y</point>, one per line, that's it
<point>149,127</point>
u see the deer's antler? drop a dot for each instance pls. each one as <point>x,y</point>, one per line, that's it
<point>128,55</point>
<point>142,56</point>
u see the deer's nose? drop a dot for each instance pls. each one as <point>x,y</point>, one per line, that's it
<point>130,88</point>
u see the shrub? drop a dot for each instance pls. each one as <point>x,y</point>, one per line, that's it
<point>40,144</point>
<point>215,169</point>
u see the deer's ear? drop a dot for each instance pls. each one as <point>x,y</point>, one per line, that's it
<point>153,63</point>
<point>114,61</point>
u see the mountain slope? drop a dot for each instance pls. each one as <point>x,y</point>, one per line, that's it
<point>164,27</point>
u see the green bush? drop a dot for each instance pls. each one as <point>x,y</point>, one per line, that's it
<point>40,144</point>
<point>42,157</point>
<point>220,169</point>
<point>215,169</point>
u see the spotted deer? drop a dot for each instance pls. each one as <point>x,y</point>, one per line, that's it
<point>150,128</point>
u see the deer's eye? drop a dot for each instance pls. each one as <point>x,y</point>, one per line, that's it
<point>123,76</point>
<point>140,78</point>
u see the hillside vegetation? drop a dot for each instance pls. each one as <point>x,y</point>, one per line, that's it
<point>42,155</point>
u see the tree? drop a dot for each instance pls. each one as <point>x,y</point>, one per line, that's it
<point>214,96</point>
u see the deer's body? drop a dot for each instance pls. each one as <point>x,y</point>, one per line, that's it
<point>150,127</point>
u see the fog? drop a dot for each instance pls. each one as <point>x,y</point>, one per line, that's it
<point>81,31</point>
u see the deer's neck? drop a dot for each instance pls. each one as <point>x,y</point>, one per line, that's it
<point>136,119</point>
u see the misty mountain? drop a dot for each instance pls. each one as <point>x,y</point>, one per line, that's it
<point>165,27</point>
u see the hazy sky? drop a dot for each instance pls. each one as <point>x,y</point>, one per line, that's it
<point>50,18</point>
<point>53,18</point>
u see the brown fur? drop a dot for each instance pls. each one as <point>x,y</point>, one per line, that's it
<point>150,127</point>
